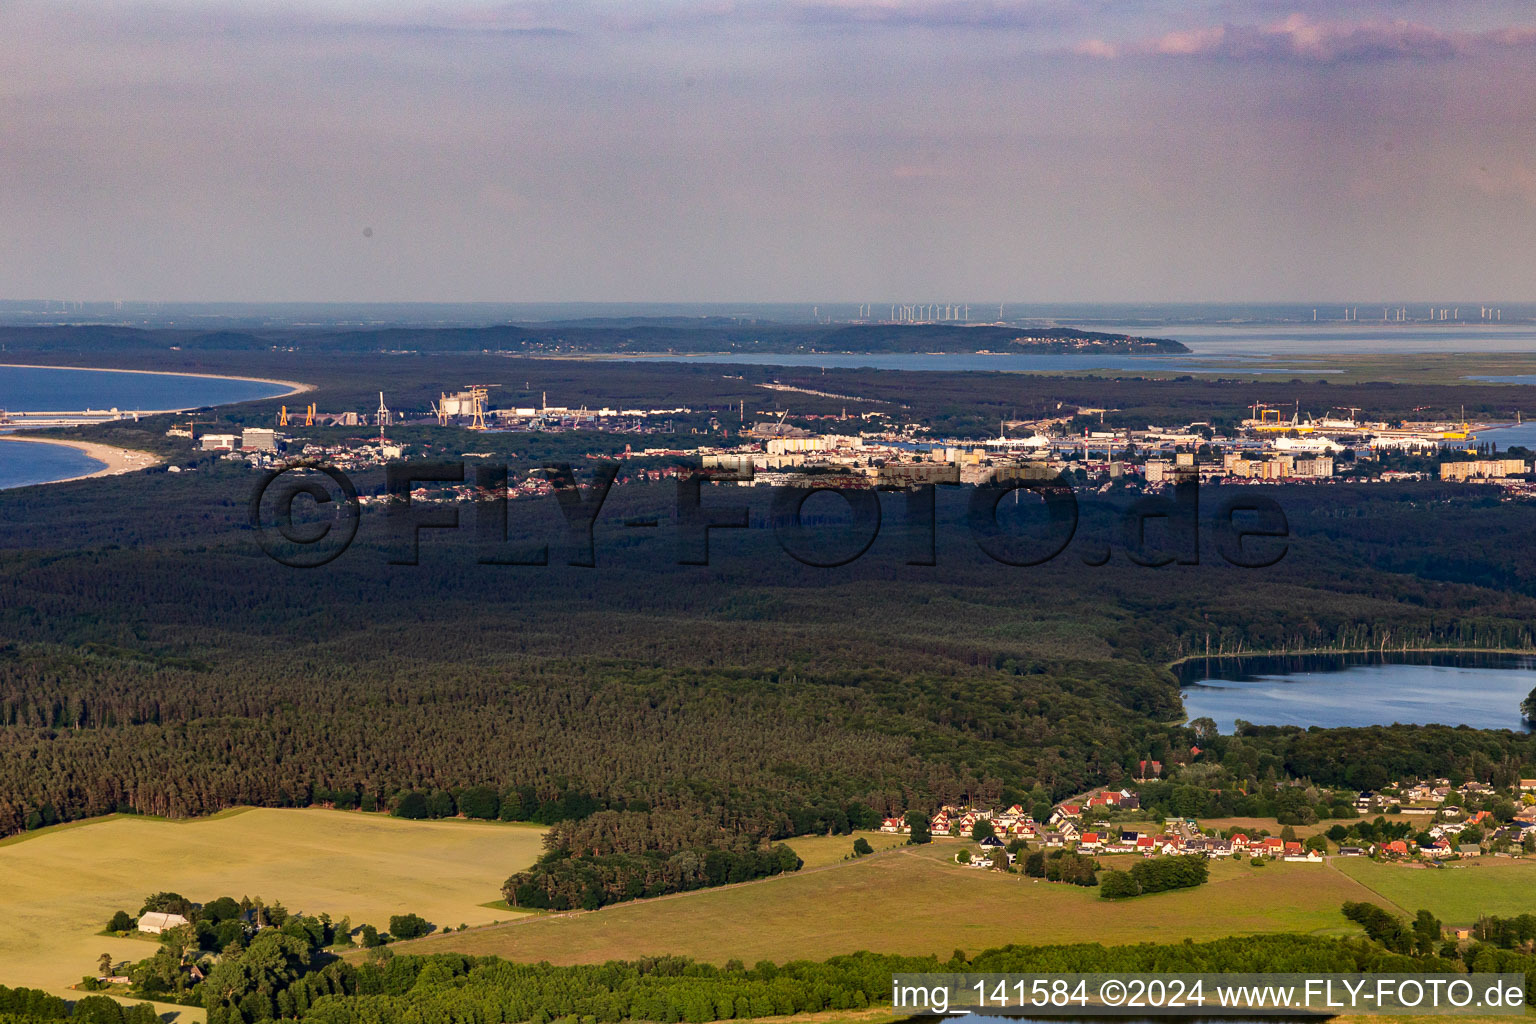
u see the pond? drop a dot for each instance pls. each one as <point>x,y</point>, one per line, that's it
<point>1446,688</point>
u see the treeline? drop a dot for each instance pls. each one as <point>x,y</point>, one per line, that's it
<point>1499,945</point>
<point>1370,757</point>
<point>562,880</point>
<point>517,803</point>
<point>1507,932</point>
<point>1421,936</point>
<point>447,987</point>
<point>29,1005</point>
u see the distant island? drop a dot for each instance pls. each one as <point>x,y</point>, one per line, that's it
<point>630,336</point>
<point>947,338</point>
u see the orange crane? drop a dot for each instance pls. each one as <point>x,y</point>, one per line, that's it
<point>191,427</point>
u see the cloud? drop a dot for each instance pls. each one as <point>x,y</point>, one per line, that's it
<point>1303,39</point>
<point>939,14</point>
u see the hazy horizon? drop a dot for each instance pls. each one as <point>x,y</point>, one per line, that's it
<point>1146,318</point>
<point>926,150</point>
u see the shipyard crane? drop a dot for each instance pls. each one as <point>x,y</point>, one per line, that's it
<point>309,416</point>
<point>477,397</point>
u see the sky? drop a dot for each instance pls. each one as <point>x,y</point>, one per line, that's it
<point>781,150</point>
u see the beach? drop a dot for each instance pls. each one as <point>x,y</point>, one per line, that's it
<point>117,460</point>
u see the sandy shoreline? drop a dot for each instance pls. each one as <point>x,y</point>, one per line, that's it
<point>294,387</point>
<point>117,460</point>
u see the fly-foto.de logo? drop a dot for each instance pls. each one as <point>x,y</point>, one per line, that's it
<point>306,515</point>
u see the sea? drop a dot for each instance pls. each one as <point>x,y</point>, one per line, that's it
<point>46,389</point>
<point>23,464</point>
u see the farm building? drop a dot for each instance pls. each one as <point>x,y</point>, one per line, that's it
<point>155,922</point>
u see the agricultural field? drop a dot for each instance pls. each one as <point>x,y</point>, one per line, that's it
<point>1457,893</point>
<point>817,851</point>
<point>916,900</point>
<point>59,886</point>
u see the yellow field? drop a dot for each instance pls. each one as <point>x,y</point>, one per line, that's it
<point>58,887</point>
<point>817,851</point>
<point>914,900</point>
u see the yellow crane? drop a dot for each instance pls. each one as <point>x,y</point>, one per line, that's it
<point>309,416</point>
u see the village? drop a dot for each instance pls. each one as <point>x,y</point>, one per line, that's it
<point>1086,826</point>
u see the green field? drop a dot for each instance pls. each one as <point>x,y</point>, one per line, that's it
<point>1456,894</point>
<point>914,900</point>
<point>59,886</point>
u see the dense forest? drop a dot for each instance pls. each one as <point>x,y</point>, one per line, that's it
<point>155,661</point>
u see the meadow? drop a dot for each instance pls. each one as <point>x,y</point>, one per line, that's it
<point>59,886</point>
<point>1457,893</point>
<point>819,851</point>
<point>915,900</point>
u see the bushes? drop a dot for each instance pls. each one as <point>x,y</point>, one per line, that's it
<point>479,802</point>
<point>1118,885</point>
<point>412,805</point>
<point>408,926</point>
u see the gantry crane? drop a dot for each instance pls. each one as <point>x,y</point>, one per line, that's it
<point>477,397</point>
<point>309,416</point>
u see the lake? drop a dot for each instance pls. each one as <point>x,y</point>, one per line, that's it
<point>1480,690</point>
